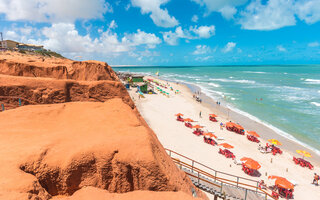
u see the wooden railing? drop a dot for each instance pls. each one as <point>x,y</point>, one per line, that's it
<point>254,187</point>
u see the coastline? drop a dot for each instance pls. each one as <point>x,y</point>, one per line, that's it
<point>159,112</point>
<point>289,143</point>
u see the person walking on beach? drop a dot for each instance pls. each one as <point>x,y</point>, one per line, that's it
<point>221,126</point>
<point>315,179</point>
<point>200,114</point>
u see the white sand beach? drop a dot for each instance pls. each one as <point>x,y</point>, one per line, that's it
<point>159,112</point>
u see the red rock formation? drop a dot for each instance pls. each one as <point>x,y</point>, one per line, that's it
<point>69,150</point>
<point>56,81</point>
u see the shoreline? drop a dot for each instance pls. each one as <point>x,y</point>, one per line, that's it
<point>288,144</point>
<point>159,112</point>
<point>262,128</point>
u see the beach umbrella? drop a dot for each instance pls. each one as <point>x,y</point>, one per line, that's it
<point>210,135</point>
<point>213,115</point>
<point>250,163</point>
<point>303,153</point>
<point>282,182</point>
<point>188,120</point>
<point>179,114</point>
<point>275,142</point>
<point>226,145</point>
<point>238,126</point>
<point>230,124</point>
<point>253,133</point>
<point>197,126</point>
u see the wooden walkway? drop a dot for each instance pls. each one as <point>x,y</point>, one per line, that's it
<point>217,183</point>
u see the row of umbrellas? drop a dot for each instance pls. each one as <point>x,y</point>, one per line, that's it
<point>249,162</point>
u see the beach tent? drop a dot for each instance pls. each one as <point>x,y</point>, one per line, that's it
<point>188,120</point>
<point>213,115</point>
<point>179,114</point>
<point>282,182</point>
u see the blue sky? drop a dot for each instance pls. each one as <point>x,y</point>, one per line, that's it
<point>169,32</point>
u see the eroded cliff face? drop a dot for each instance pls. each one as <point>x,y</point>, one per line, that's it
<point>35,80</point>
<point>85,139</point>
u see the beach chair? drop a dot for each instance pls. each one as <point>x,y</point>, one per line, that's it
<point>213,119</point>
<point>302,162</point>
<point>221,151</point>
<point>180,119</point>
<point>275,195</point>
<point>309,165</point>
<point>189,125</point>
<point>295,160</point>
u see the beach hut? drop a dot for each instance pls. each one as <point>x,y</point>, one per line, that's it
<point>137,78</point>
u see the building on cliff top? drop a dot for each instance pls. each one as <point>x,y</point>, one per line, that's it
<point>12,45</point>
<point>9,44</point>
<point>29,47</point>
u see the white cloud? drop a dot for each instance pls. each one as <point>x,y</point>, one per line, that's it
<point>201,49</point>
<point>272,15</point>
<point>141,38</point>
<point>195,18</point>
<point>308,10</point>
<point>228,12</point>
<point>229,47</point>
<point>159,16</point>
<point>113,25</point>
<point>203,58</point>
<point>65,39</point>
<point>12,35</point>
<point>313,44</point>
<point>204,31</point>
<point>281,48</point>
<point>275,14</point>
<point>193,33</point>
<point>128,6</point>
<point>53,11</point>
<point>225,7</point>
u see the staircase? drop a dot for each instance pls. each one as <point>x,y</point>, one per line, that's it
<point>220,184</point>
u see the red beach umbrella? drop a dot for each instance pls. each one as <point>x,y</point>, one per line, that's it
<point>226,145</point>
<point>282,182</point>
<point>250,163</point>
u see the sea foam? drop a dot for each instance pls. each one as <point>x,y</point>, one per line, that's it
<point>232,81</point>
<point>316,104</point>
<point>214,84</point>
<point>251,72</point>
<point>312,81</point>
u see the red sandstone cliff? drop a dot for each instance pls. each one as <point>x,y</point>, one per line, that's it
<point>92,147</point>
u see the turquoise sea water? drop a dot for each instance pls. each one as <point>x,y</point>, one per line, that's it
<point>286,98</point>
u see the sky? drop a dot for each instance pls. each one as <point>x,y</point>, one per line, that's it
<point>169,32</point>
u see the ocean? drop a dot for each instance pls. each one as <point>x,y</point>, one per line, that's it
<point>284,97</point>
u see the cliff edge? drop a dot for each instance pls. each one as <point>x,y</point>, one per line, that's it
<point>85,141</point>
